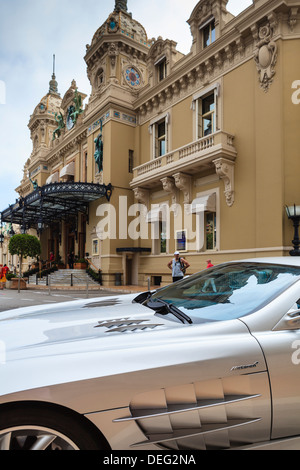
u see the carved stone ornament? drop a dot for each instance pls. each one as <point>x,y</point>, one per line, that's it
<point>184,183</point>
<point>170,188</point>
<point>292,21</point>
<point>265,56</point>
<point>225,170</point>
<point>143,196</point>
<point>112,24</point>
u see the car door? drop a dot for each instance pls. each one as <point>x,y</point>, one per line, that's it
<point>281,347</point>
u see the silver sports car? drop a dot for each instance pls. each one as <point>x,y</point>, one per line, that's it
<point>210,362</point>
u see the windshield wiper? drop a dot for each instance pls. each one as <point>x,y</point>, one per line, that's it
<point>163,307</point>
<point>143,297</point>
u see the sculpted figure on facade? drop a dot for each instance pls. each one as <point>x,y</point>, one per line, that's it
<point>99,151</point>
<point>34,184</point>
<point>77,108</point>
<point>60,121</point>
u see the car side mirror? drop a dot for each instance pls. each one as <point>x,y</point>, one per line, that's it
<point>291,321</point>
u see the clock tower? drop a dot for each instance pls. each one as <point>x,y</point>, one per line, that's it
<point>41,124</point>
<point>117,57</point>
<point>117,69</point>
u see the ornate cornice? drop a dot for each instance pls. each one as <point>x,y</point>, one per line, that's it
<point>239,42</point>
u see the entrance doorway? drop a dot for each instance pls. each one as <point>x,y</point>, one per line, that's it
<point>82,237</point>
<point>128,270</point>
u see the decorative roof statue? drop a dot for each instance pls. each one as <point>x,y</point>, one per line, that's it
<point>53,85</point>
<point>34,184</point>
<point>60,121</point>
<point>78,107</point>
<point>121,5</point>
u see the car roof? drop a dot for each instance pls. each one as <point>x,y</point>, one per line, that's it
<point>283,260</point>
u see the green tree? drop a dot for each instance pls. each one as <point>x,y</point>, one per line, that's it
<point>24,245</point>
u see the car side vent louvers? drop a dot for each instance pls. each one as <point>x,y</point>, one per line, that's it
<point>123,325</point>
<point>185,418</point>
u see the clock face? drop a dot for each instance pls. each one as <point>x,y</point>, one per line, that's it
<point>133,77</point>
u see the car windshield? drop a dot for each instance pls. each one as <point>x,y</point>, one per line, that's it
<point>228,291</point>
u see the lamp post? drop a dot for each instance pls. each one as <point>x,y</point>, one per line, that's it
<point>293,213</point>
<point>40,226</point>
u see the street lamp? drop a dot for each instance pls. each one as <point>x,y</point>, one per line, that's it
<point>40,225</point>
<point>293,213</point>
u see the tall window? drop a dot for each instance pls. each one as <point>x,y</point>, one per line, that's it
<point>209,34</point>
<point>160,139</point>
<point>100,78</point>
<point>162,69</point>
<point>85,166</point>
<point>163,236</point>
<point>211,232</point>
<point>130,161</point>
<point>206,115</point>
<point>95,247</point>
<point>207,221</point>
<point>159,131</point>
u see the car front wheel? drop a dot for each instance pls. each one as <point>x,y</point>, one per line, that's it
<point>45,429</point>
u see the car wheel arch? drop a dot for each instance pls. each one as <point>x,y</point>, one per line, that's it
<point>40,407</point>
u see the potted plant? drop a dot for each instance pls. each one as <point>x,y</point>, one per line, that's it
<point>80,263</point>
<point>9,277</point>
<point>24,246</point>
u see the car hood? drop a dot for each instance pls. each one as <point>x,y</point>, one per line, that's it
<point>75,324</point>
<point>106,338</point>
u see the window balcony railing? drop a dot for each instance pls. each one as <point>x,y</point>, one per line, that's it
<point>196,155</point>
<point>215,153</point>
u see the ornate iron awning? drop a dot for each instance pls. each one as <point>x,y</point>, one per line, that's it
<point>54,202</point>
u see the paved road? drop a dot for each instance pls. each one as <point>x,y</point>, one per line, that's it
<point>10,299</point>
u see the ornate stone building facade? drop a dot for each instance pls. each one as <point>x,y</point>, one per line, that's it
<point>195,152</point>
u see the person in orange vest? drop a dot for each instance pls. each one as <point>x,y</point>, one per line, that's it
<point>2,277</point>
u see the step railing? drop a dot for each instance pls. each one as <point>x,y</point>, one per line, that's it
<point>72,278</point>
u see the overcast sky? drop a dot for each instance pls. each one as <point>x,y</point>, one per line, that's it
<point>31,31</point>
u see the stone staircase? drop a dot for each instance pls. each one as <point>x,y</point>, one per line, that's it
<point>65,277</point>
